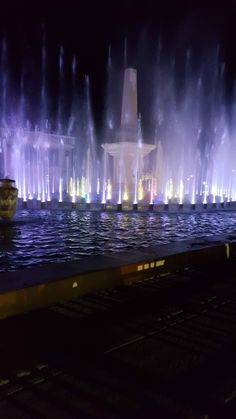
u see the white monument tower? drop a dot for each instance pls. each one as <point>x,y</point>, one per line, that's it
<point>128,151</point>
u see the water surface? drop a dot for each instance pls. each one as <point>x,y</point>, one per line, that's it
<point>37,237</point>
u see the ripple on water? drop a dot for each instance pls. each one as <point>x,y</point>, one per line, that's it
<point>37,237</point>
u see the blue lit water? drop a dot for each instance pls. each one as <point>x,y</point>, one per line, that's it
<point>36,237</point>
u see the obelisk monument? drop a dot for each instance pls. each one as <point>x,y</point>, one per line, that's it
<point>127,147</point>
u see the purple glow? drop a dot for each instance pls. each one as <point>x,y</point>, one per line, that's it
<point>188,157</point>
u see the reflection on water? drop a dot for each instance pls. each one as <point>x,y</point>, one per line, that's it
<point>36,237</point>
<point>8,233</point>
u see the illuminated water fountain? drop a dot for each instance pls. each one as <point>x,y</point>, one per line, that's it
<point>48,164</point>
<point>128,150</point>
<point>194,134</point>
<point>37,161</point>
<point>188,156</point>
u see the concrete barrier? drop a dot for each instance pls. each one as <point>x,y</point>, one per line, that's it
<point>42,286</point>
<point>126,206</point>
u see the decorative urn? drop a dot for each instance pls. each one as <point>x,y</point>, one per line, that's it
<point>8,198</point>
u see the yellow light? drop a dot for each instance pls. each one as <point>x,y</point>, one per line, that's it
<point>140,190</point>
<point>109,189</point>
<point>154,186</point>
<point>70,186</point>
<point>125,195</point>
<point>160,263</point>
<point>227,250</point>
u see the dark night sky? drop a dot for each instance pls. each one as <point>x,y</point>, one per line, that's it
<point>87,27</point>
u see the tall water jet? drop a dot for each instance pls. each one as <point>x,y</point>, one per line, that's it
<point>185,154</point>
<point>61,88</point>
<point>43,82</point>
<point>74,97</point>
<point>91,155</point>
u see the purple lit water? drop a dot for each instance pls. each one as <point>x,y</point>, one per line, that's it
<point>38,237</point>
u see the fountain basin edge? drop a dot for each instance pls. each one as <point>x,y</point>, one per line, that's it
<point>142,207</point>
<point>37,287</point>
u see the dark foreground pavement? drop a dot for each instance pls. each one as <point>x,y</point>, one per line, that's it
<point>161,348</point>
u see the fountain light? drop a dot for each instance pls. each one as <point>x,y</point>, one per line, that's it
<point>82,186</point>
<point>125,194</point>
<point>47,165</point>
<point>170,189</point>
<point>166,196</point>
<point>43,195</point>
<point>60,189</point>
<point>181,192</point>
<point>77,187</point>
<point>88,200</point>
<point>24,192</point>
<point>119,202</point>
<point>109,190</point>
<point>70,187</point>
<point>98,186</point>
<point>140,190</point>
<point>104,192</point>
